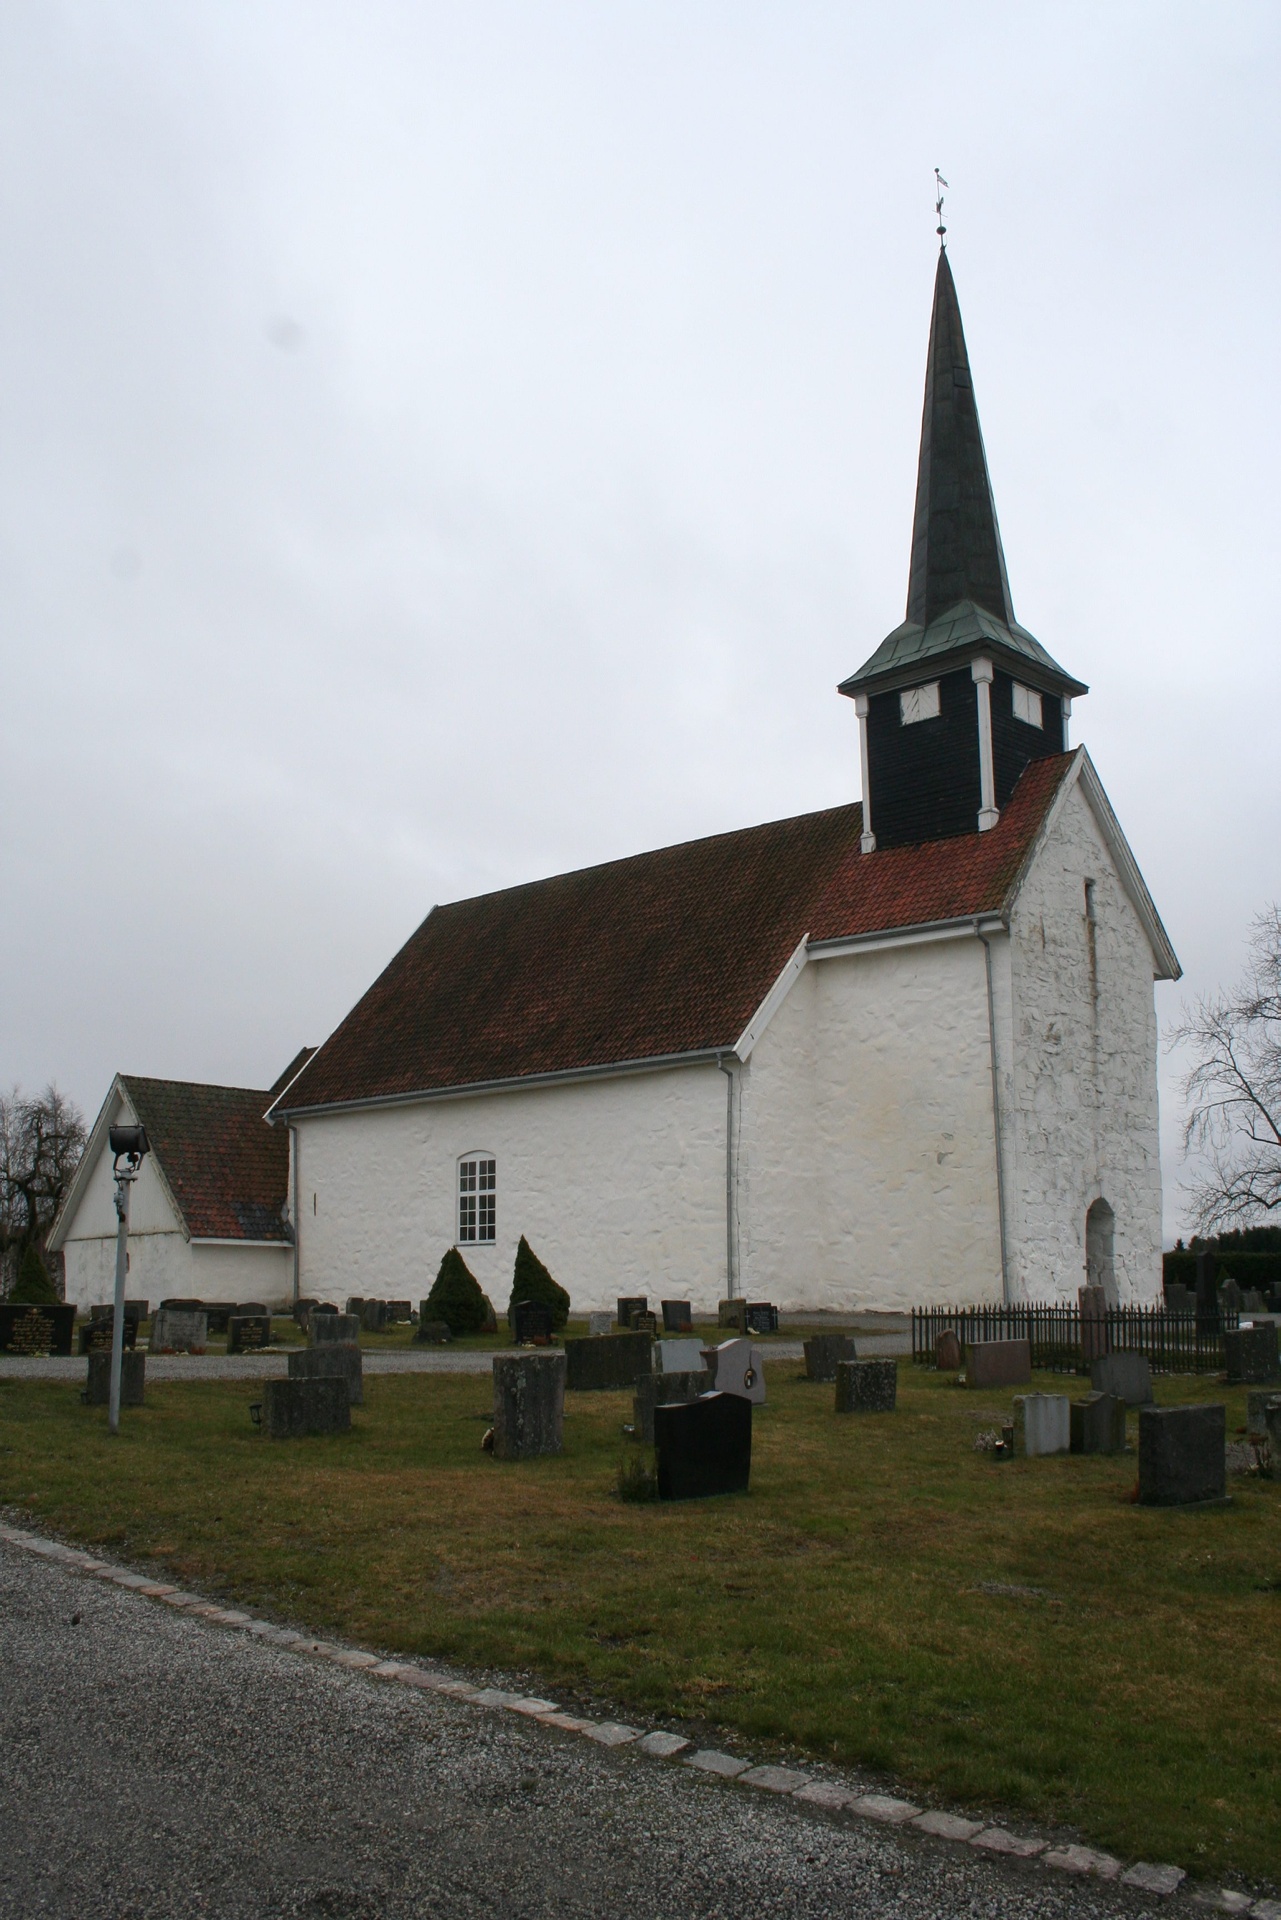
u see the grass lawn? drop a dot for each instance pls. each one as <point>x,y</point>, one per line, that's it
<point>997,1635</point>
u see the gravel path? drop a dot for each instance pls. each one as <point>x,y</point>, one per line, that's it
<point>155,1766</point>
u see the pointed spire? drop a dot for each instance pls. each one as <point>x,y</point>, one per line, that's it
<point>956,543</point>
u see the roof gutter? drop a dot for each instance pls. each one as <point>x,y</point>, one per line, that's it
<point>909,936</point>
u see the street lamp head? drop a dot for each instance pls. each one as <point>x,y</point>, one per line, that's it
<point>129,1143</point>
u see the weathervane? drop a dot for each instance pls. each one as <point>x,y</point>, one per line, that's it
<point>939,184</point>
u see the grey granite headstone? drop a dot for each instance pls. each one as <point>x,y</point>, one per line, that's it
<point>1098,1424</point>
<point>1127,1375</point>
<point>1251,1354</point>
<point>866,1386</point>
<point>1181,1455</point>
<point>133,1376</point>
<point>1044,1423</point>
<point>998,1363</point>
<point>1258,1407</point>
<point>175,1331</point>
<point>704,1447</point>
<point>248,1332</point>
<point>529,1404</point>
<point>373,1315</point>
<point>735,1367</point>
<point>328,1329</point>
<point>598,1323</point>
<point>660,1390</point>
<point>824,1352</point>
<point>679,1356</point>
<point>293,1408</point>
<point>335,1362</point>
<point>1252,1301</point>
<point>1230,1296</point>
<point>597,1365</point>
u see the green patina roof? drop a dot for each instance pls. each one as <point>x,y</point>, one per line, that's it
<point>963,629</point>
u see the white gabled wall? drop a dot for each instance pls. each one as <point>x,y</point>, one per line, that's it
<point>1078,1050</point>
<point>618,1184</point>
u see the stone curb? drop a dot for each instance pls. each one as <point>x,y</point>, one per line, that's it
<point>786,1782</point>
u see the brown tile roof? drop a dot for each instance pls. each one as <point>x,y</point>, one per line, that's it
<point>226,1168</point>
<point>661,954</point>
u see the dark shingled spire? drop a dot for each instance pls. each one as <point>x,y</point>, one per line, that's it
<point>956,544</point>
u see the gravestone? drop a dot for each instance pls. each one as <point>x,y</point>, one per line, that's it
<point>678,1356</point>
<point>432,1333</point>
<point>330,1329</point>
<point>1043,1422</point>
<point>373,1316</point>
<point>948,1356</point>
<point>356,1305</point>
<point>662,1390</point>
<point>331,1363</point>
<point>182,1306</point>
<point>1094,1323</point>
<point>1251,1354</point>
<point>645,1323</point>
<point>1178,1298</point>
<point>399,1312</point>
<point>1098,1424</point>
<point>133,1376</point>
<point>1252,1301</point>
<point>1127,1375</point>
<point>135,1310</point>
<point>731,1316</point>
<point>1207,1297</point>
<point>302,1313</point>
<point>533,1323</point>
<point>36,1330</point>
<point>324,1306</point>
<point>292,1408</point>
<point>735,1367</point>
<point>866,1386</point>
<point>177,1331</point>
<point>249,1307</point>
<point>823,1352</point>
<point>1258,1408</point>
<point>1181,1455</point>
<point>598,1323</point>
<point>529,1404</point>
<point>95,1335</point>
<point>628,1305</point>
<point>1229,1297</point>
<point>602,1362</point>
<point>217,1319</point>
<point>762,1317</point>
<point>248,1332</point>
<point>678,1316</point>
<point>704,1447</point>
<point>998,1363</point>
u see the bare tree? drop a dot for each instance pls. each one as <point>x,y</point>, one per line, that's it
<point>1233,1089</point>
<point>41,1140</point>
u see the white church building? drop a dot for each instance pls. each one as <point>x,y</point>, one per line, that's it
<point>883,1054</point>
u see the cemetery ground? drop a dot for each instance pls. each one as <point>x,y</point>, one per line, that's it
<point>1001,1637</point>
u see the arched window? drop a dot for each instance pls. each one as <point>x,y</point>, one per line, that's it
<point>1100,1232</point>
<point>477,1199</point>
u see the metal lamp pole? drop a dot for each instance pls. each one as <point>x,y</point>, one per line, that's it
<point>129,1144</point>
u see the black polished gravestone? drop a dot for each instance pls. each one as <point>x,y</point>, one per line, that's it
<point>133,1378</point>
<point>248,1332</point>
<point>95,1335</point>
<point>704,1447</point>
<point>1097,1424</point>
<point>217,1319</point>
<point>1250,1354</point>
<point>293,1408</point>
<point>762,1317</point>
<point>533,1324</point>
<point>337,1361</point>
<point>134,1310</point>
<point>607,1360</point>
<point>866,1386</point>
<point>1182,1459</point>
<point>36,1330</point>
<point>824,1353</point>
<point>432,1333</point>
<point>678,1316</point>
<point>629,1304</point>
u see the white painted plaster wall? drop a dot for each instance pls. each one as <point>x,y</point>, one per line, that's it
<point>1078,1054</point>
<point>618,1184</point>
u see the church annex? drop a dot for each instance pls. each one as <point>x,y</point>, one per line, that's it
<point>866,1057</point>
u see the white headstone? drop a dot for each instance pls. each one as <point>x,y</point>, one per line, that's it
<point>600,1323</point>
<point>736,1368</point>
<point>1047,1423</point>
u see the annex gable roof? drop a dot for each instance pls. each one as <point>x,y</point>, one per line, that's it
<point>666,956</point>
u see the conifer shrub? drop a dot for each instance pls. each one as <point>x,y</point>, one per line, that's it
<point>456,1297</point>
<point>33,1287</point>
<point>531,1281</point>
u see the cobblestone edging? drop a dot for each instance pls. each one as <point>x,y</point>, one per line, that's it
<point>1143,1876</point>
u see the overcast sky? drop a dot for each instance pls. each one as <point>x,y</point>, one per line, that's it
<point>442,445</point>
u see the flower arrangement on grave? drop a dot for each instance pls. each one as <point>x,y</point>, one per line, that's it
<point>532,1281</point>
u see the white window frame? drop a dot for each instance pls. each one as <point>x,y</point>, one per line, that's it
<point>919,703</point>
<point>1027,706</point>
<point>476,1199</point>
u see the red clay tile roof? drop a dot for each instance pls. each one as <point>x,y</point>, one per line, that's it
<point>664,953</point>
<point>226,1168</point>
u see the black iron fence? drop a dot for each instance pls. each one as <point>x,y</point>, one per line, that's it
<point>1172,1342</point>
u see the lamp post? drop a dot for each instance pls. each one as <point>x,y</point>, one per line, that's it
<point>130,1145</point>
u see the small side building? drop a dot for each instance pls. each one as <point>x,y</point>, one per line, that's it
<point>208,1217</point>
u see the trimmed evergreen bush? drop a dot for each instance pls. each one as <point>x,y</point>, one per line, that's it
<point>33,1287</point>
<point>456,1297</point>
<point>531,1281</point>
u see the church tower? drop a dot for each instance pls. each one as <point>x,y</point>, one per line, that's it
<point>955,702</point>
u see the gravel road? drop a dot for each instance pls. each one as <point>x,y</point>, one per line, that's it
<point>153,1766</point>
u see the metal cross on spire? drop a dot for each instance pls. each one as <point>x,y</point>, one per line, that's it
<point>939,184</point>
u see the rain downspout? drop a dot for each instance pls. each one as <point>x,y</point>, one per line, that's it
<point>731,1275</point>
<point>996,1108</point>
